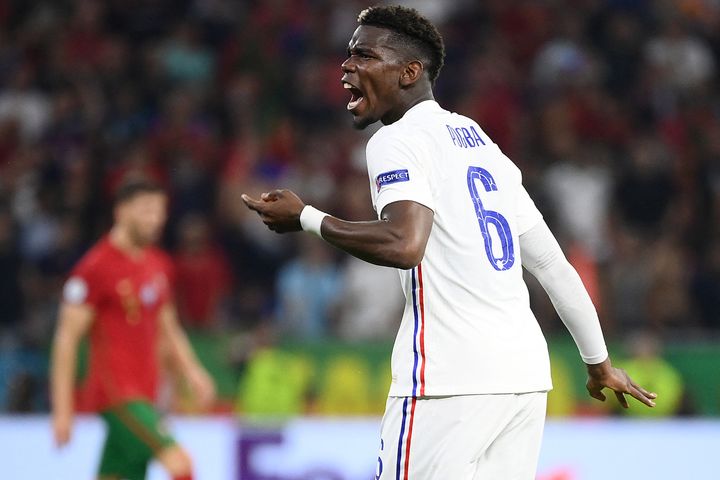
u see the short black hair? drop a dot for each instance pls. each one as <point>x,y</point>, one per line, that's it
<point>412,29</point>
<point>130,188</point>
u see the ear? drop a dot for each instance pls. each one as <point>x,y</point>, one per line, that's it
<point>412,73</point>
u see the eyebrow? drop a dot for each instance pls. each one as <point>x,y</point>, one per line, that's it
<point>359,49</point>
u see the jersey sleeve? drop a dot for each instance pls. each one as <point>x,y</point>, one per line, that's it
<point>527,214</point>
<point>82,286</point>
<point>542,256</point>
<point>398,170</point>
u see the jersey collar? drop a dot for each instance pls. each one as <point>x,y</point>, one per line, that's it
<point>423,108</point>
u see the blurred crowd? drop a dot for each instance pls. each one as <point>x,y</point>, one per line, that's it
<point>610,107</point>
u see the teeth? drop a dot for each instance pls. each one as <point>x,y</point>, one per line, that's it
<point>354,103</point>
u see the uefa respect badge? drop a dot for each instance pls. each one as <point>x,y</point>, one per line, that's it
<point>391,177</point>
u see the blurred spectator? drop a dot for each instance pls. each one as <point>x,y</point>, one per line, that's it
<point>630,277</point>
<point>276,383</point>
<point>644,191</point>
<point>647,367</point>
<point>186,60</point>
<point>346,388</point>
<point>65,251</point>
<point>578,185</point>
<point>203,279</point>
<point>679,60</point>
<point>308,292</point>
<point>84,40</point>
<point>39,232</point>
<point>622,51</point>
<point>564,60</point>
<point>668,306</point>
<point>25,103</point>
<point>371,302</point>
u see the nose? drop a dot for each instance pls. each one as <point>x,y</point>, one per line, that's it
<point>348,66</point>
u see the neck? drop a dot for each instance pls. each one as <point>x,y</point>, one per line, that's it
<point>397,113</point>
<point>121,239</point>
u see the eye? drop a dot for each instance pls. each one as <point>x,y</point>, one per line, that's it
<point>359,53</point>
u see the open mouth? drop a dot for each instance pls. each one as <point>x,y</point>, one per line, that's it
<point>356,96</point>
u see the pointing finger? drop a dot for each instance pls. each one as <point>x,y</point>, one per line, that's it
<point>252,203</point>
<point>637,394</point>
<point>648,394</point>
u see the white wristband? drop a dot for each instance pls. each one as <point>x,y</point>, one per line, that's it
<point>311,219</point>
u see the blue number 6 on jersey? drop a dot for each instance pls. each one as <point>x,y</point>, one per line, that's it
<point>490,217</point>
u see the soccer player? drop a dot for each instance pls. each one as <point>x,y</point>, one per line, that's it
<point>120,293</point>
<point>470,368</point>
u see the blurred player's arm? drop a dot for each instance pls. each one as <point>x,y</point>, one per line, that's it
<point>73,323</point>
<point>183,359</point>
<point>542,257</point>
<point>397,240</point>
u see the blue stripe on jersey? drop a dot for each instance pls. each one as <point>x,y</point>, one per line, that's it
<point>400,440</point>
<point>415,334</point>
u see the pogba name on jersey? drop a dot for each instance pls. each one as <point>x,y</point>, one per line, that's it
<point>465,137</point>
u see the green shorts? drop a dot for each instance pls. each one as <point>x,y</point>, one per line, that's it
<point>135,435</point>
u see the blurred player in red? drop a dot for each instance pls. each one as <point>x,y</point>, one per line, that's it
<point>120,294</point>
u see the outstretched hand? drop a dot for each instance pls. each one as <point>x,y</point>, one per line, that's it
<point>279,210</point>
<point>604,375</point>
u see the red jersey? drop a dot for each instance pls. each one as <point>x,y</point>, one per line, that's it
<point>126,294</point>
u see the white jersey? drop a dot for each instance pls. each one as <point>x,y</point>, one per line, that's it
<point>467,327</point>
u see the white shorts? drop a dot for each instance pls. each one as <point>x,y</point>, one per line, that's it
<point>464,437</point>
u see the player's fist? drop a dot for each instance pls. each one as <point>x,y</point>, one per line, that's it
<point>62,428</point>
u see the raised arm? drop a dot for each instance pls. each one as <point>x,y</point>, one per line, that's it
<point>542,256</point>
<point>397,240</point>
<point>73,323</point>
<point>183,358</point>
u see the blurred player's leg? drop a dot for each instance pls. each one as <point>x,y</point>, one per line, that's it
<point>513,455</point>
<point>135,436</point>
<point>123,456</point>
